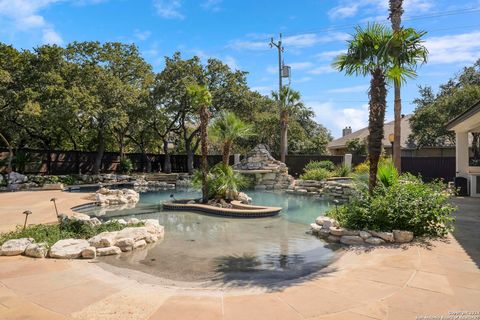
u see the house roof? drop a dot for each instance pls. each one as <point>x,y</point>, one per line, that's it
<point>464,116</point>
<point>362,134</point>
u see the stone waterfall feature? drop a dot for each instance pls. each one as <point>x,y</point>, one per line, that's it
<point>269,173</point>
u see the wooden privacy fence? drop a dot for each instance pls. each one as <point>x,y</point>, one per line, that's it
<point>73,162</point>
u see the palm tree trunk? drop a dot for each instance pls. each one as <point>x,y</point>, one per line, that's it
<point>377,94</point>
<point>227,146</point>
<point>396,12</point>
<point>204,145</point>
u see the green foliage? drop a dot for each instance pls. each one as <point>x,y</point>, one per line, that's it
<point>126,165</point>
<point>342,170</point>
<point>223,181</point>
<point>20,160</point>
<point>387,174</point>
<point>356,147</point>
<point>51,233</point>
<point>407,204</point>
<point>318,174</point>
<point>324,164</point>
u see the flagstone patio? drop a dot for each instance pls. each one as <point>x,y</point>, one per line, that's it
<point>403,282</point>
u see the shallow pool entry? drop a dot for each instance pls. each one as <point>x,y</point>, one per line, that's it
<point>203,248</point>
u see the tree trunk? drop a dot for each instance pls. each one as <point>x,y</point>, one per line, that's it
<point>100,152</point>
<point>204,145</point>
<point>167,164</point>
<point>396,12</point>
<point>377,95</point>
<point>227,146</point>
<point>10,153</point>
<point>188,150</point>
<point>122,146</point>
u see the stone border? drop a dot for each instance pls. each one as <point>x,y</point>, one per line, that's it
<point>329,229</point>
<point>247,211</point>
<point>102,244</point>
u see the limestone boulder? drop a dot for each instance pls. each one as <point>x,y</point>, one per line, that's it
<point>364,234</point>
<point>125,244</point>
<point>338,231</point>
<point>16,246</point>
<point>136,233</point>
<point>15,177</point>
<point>113,250</point>
<point>387,236</point>
<point>333,238</point>
<point>326,222</point>
<point>402,236</point>
<point>89,253</point>
<point>351,240</point>
<point>139,244</point>
<point>375,241</point>
<point>103,240</point>
<point>153,226</point>
<point>151,238</point>
<point>133,221</point>
<point>37,250</point>
<point>244,198</point>
<point>68,248</point>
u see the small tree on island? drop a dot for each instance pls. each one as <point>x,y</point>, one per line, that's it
<point>201,99</point>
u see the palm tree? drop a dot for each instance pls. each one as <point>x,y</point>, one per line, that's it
<point>228,128</point>
<point>201,99</point>
<point>395,16</point>
<point>385,56</point>
<point>291,101</point>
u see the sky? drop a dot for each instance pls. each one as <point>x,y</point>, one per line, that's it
<point>238,32</point>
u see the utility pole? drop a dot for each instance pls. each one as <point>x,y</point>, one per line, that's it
<point>279,47</point>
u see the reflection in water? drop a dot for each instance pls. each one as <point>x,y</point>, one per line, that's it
<point>200,247</point>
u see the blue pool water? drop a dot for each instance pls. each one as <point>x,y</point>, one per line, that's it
<point>200,247</point>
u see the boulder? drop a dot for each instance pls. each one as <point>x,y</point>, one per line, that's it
<point>80,216</point>
<point>94,222</point>
<point>108,251</point>
<point>134,221</point>
<point>326,222</point>
<point>153,226</point>
<point>315,228</point>
<point>125,244</point>
<point>53,186</point>
<point>16,246</point>
<point>364,234</point>
<point>15,177</point>
<point>333,238</point>
<point>89,253</point>
<point>136,233</point>
<point>37,250</point>
<point>103,240</point>
<point>375,241</point>
<point>387,236</point>
<point>351,240</point>
<point>244,198</point>
<point>338,231</point>
<point>139,244</point>
<point>68,248</point>
<point>151,238</point>
<point>402,236</point>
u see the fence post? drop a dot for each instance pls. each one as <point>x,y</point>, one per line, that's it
<point>347,160</point>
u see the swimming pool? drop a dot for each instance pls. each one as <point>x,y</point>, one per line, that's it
<point>203,248</point>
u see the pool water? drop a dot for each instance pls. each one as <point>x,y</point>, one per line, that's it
<point>204,248</point>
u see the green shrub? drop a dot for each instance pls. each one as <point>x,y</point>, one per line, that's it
<point>223,181</point>
<point>51,233</point>
<point>407,204</point>
<point>387,174</point>
<point>316,174</point>
<point>324,164</point>
<point>342,170</point>
<point>126,165</point>
<point>69,180</point>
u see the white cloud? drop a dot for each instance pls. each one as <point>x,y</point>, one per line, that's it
<point>289,42</point>
<point>303,80</point>
<point>330,55</point>
<point>50,36</point>
<point>169,9</point>
<point>300,65</point>
<point>212,5</point>
<point>231,62</point>
<point>142,35</point>
<point>457,48</point>
<point>322,70</point>
<point>352,89</point>
<point>23,16</point>
<point>336,118</point>
<point>350,8</point>
<point>265,90</point>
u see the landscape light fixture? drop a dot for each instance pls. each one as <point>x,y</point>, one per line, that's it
<point>336,202</point>
<point>55,204</point>
<point>26,213</point>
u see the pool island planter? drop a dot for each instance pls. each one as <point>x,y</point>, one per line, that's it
<point>238,210</point>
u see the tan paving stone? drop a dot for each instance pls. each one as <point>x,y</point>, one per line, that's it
<point>464,279</point>
<point>311,301</point>
<point>189,308</point>
<point>258,307</point>
<point>467,299</point>
<point>388,275</point>
<point>18,266</point>
<point>29,311</point>
<point>401,314</point>
<point>431,281</point>
<point>420,301</point>
<point>344,316</point>
<point>376,310</point>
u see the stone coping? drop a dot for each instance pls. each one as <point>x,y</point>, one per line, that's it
<point>254,171</point>
<point>246,211</point>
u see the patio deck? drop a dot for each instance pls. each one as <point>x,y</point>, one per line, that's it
<point>384,283</point>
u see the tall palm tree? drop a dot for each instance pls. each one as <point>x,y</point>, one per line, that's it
<point>291,100</point>
<point>395,16</point>
<point>385,56</point>
<point>227,128</point>
<point>201,99</point>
